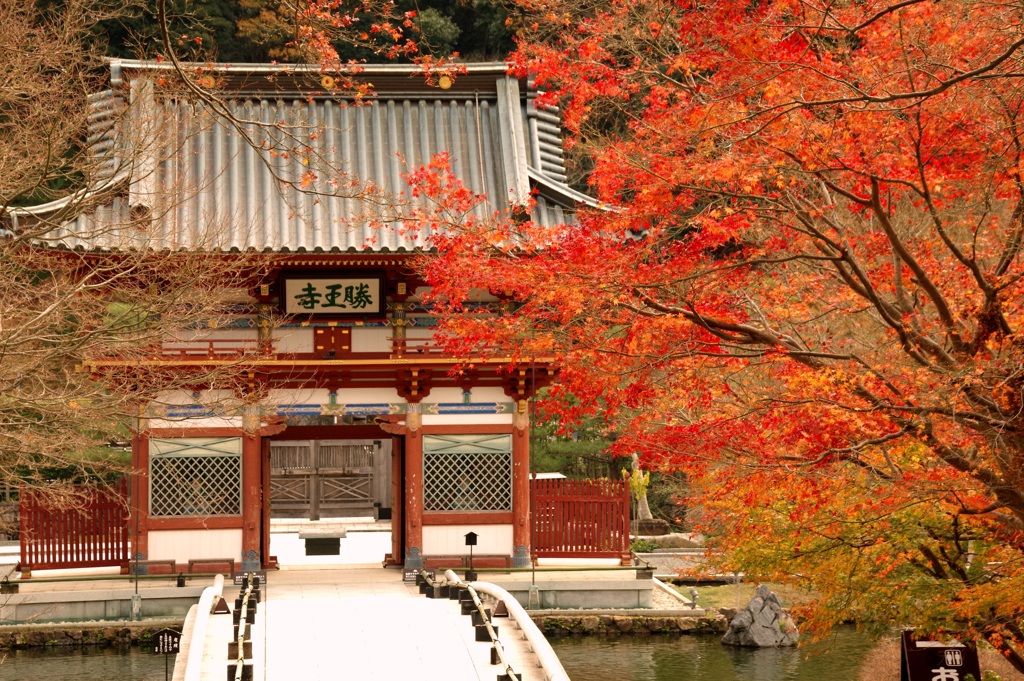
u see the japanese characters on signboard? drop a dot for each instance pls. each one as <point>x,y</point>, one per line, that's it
<point>345,295</point>
<point>167,641</point>
<point>937,660</point>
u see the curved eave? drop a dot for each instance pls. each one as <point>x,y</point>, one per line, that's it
<point>388,80</point>
<point>117,65</point>
<point>68,207</point>
<point>562,193</point>
<point>79,248</point>
<point>287,364</point>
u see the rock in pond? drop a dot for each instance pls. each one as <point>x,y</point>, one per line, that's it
<point>762,624</point>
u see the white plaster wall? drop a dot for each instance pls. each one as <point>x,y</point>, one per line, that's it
<point>466,419</point>
<point>212,422</point>
<point>217,401</point>
<point>298,396</point>
<point>183,545</point>
<point>184,335</point>
<point>293,339</point>
<point>185,397</point>
<point>369,396</point>
<point>322,396</point>
<point>371,338</point>
<point>488,394</point>
<point>450,540</point>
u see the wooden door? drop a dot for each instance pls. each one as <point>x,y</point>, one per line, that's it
<point>328,478</point>
<point>344,477</point>
<point>292,479</point>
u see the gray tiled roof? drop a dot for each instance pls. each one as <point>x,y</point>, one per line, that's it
<point>318,173</point>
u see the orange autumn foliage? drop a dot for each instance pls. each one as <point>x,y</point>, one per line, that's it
<point>803,288</point>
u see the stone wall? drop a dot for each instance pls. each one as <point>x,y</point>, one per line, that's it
<point>618,625</point>
<point>101,634</point>
<point>101,603</point>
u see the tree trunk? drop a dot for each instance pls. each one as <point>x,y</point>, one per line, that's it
<point>1001,644</point>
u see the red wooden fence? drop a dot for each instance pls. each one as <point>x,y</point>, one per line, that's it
<point>581,518</point>
<point>94,533</point>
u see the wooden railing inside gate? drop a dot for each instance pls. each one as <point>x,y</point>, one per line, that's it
<point>91,532</point>
<point>580,518</point>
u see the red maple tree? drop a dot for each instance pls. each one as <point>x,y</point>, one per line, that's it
<point>803,289</point>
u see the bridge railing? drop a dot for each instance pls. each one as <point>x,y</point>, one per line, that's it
<point>188,664</point>
<point>549,662</point>
<point>240,662</point>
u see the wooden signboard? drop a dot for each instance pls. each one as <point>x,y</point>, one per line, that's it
<point>937,660</point>
<point>344,295</point>
<point>410,574</point>
<point>262,574</point>
<point>167,641</point>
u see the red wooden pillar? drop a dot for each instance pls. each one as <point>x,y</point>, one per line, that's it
<point>140,497</point>
<point>252,501</point>
<point>268,560</point>
<point>397,554</point>
<point>413,493</point>
<point>521,515</point>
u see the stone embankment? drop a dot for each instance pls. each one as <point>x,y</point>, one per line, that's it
<point>101,634</point>
<point>671,614</point>
<point>631,625</point>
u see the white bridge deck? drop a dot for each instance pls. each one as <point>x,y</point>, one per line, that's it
<point>362,624</point>
<point>353,621</point>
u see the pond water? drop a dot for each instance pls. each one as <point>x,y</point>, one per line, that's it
<point>704,658</point>
<point>84,664</point>
<point>651,658</point>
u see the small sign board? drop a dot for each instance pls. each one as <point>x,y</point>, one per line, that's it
<point>167,641</point>
<point>262,574</point>
<point>409,574</point>
<point>937,660</point>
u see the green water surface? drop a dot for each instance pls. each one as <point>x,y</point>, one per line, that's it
<point>704,658</point>
<point>87,663</point>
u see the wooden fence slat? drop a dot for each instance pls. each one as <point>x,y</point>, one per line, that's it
<point>581,518</point>
<point>93,535</point>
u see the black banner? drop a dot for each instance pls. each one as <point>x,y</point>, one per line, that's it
<point>937,660</point>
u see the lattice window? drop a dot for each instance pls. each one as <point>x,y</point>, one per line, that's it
<point>195,477</point>
<point>467,472</point>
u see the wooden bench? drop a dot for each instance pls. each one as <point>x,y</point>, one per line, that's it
<point>144,567</point>
<point>230,562</point>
